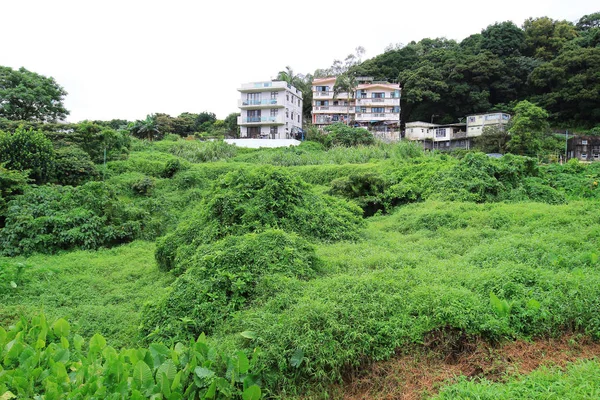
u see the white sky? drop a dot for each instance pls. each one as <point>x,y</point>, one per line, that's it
<point>126,58</point>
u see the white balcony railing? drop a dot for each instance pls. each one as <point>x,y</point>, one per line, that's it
<point>334,109</point>
<point>257,120</point>
<point>379,101</point>
<point>261,102</point>
<point>377,116</point>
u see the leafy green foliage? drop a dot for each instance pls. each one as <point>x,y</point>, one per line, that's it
<point>226,276</point>
<point>51,218</point>
<point>28,150</point>
<point>252,200</point>
<point>12,183</point>
<point>342,135</point>
<point>73,166</point>
<point>27,96</point>
<point>40,359</point>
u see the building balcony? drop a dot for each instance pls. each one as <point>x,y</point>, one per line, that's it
<point>267,86</point>
<point>329,95</point>
<point>263,103</point>
<point>261,120</point>
<point>386,116</point>
<point>378,102</point>
<point>333,109</point>
<point>328,119</point>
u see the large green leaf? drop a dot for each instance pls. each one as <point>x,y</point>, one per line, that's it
<point>169,369</point>
<point>97,343</point>
<point>252,393</point>
<point>297,358</point>
<point>241,363</point>
<point>142,375</point>
<point>61,328</point>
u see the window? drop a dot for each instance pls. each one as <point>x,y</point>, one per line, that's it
<point>472,120</point>
<point>377,109</point>
<point>584,142</point>
<point>596,156</point>
<point>287,114</point>
<point>292,115</point>
<point>363,109</point>
<point>335,103</point>
<point>362,94</point>
<point>584,155</point>
<point>440,132</point>
<point>378,95</point>
<point>273,130</point>
<point>322,88</point>
<point>396,110</point>
<point>273,112</point>
<point>287,97</point>
<point>335,118</point>
<point>274,95</point>
<point>298,118</point>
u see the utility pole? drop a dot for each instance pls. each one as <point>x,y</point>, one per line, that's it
<point>566,143</point>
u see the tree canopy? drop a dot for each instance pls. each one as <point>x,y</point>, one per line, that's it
<point>27,96</point>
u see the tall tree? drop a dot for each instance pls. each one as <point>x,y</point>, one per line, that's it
<point>345,83</point>
<point>27,96</point>
<point>504,39</point>
<point>527,129</point>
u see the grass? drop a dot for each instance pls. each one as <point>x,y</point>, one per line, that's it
<point>578,382</point>
<point>101,291</point>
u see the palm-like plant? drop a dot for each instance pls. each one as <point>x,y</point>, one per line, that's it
<point>345,83</point>
<point>147,128</point>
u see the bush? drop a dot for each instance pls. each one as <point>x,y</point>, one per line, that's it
<point>252,200</point>
<point>28,150</point>
<point>226,276</point>
<point>143,186</point>
<point>172,167</point>
<point>12,183</point>
<point>343,135</point>
<point>73,166</point>
<point>46,219</point>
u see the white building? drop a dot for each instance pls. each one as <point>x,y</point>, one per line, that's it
<point>451,136</point>
<point>476,123</point>
<point>373,105</point>
<point>270,110</point>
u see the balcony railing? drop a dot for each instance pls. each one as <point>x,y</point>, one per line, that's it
<point>380,101</point>
<point>386,116</point>
<point>262,119</point>
<point>260,102</point>
<point>335,109</point>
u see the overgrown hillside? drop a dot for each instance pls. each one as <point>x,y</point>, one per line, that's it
<point>323,260</point>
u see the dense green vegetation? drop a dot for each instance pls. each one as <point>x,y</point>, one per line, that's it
<point>271,243</point>
<point>549,62</point>
<point>192,269</point>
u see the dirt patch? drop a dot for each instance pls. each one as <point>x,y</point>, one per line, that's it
<point>415,376</point>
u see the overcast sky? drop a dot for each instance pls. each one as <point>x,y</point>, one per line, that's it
<point>126,59</point>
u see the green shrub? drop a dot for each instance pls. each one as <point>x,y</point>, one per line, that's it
<point>28,150</point>
<point>172,167</point>
<point>46,219</point>
<point>366,189</point>
<point>226,276</point>
<point>12,183</point>
<point>252,200</point>
<point>73,166</point>
<point>143,186</point>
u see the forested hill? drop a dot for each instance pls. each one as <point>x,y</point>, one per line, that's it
<point>555,64</point>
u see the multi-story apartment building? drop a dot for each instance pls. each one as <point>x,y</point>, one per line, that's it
<point>270,110</point>
<point>373,105</point>
<point>451,136</point>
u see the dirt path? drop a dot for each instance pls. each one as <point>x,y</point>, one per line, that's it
<point>411,377</point>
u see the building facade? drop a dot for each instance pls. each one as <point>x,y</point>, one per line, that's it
<point>374,105</point>
<point>453,136</point>
<point>270,110</point>
<point>584,148</point>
